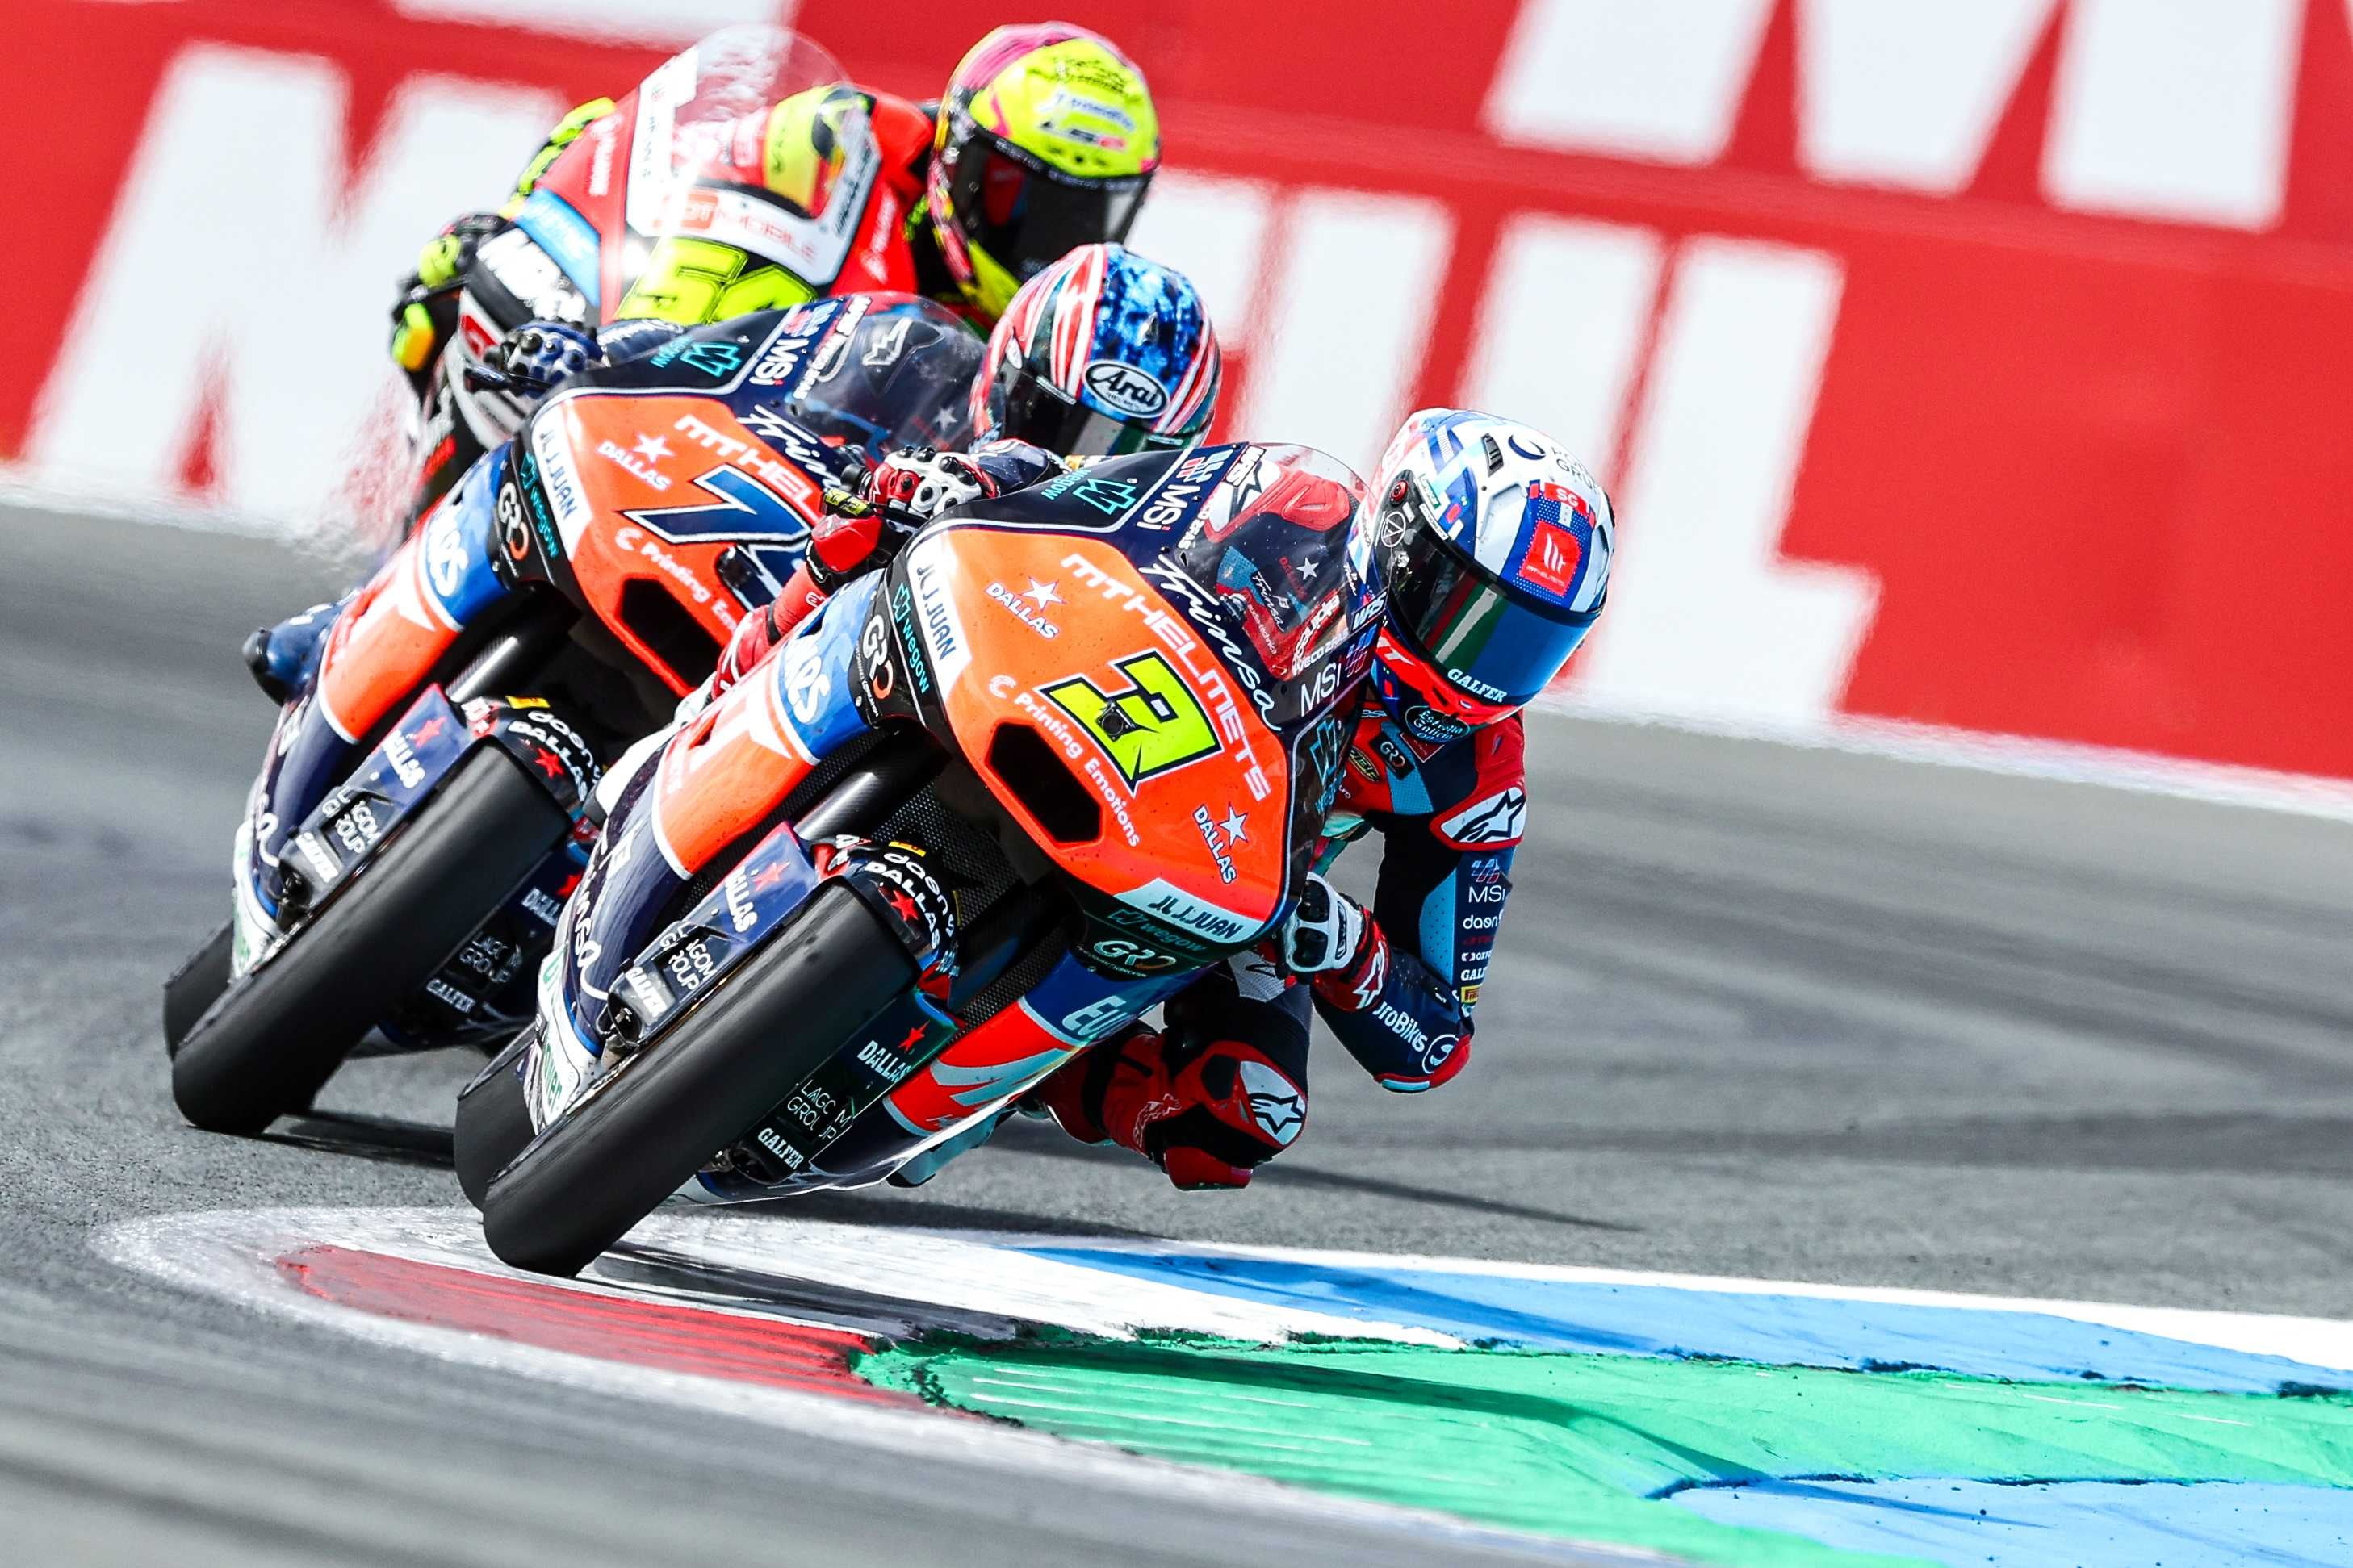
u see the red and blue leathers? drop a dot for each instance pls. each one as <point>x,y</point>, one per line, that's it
<point>1450,816</point>
<point>1222,1087</point>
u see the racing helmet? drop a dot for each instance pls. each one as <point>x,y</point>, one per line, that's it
<point>1494,545</point>
<point>1102,353</point>
<point>802,145</point>
<point>1046,140</point>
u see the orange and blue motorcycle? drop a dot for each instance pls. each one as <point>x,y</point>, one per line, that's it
<point>425,805</point>
<point>985,808</point>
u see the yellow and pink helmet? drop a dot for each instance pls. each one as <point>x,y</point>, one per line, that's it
<point>1046,140</point>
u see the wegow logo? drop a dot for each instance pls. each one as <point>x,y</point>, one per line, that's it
<point>1124,389</point>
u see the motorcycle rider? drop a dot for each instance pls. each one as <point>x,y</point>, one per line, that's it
<point>1040,397</point>
<point>1143,323</point>
<point>1494,545</point>
<point>1045,139</point>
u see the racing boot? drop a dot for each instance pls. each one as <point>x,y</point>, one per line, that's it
<point>1209,1112</point>
<point>285,657</point>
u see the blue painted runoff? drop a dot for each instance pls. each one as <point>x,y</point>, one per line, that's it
<point>1666,1321</point>
<point>2054,1524</point>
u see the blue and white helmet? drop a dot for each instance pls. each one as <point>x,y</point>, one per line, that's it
<point>1104,352</point>
<point>1494,545</point>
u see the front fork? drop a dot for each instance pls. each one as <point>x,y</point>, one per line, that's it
<point>374,735</point>
<point>435,593</point>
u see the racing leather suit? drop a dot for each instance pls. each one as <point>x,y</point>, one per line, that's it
<point>426,312</point>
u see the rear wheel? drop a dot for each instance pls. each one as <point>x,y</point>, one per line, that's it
<point>270,1044</point>
<point>493,1120</point>
<point>598,1171</point>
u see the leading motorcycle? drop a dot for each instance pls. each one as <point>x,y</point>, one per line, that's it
<point>984,809</point>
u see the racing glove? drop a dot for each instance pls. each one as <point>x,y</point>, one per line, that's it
<point>923,483</point>
<point>904,491</point>
<point>425,309</point>
<point>534,359</point>
<point>1209,1112</point>
<point>1329,938</point>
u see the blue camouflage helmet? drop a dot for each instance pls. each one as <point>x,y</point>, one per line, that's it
<point>1102,353</point>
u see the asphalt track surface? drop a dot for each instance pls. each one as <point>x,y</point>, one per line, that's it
<point>1757,1011</point>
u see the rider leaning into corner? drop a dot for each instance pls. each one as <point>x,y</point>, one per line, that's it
<point>1045,139</point>
<point>1494,545</point>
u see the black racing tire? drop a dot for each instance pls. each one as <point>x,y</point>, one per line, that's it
<point>196,985</point>
<point>494,1123</point>
<point>594,1173</point>
<point>270,1043</point>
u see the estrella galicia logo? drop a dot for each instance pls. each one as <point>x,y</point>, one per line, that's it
<point>1124,389</point>
<point>1428,724</point>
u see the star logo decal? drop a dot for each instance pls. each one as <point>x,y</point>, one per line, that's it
<point>652,448</point>
<point>548,762</point>
<point>902,906</point>
<point>427,730</point>
<point>1043,594</point>
<point>767,877</point>
<point>1234,823</point>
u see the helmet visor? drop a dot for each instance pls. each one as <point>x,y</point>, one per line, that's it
<point>1489,642</point>
<point>1025,214</point>
<point>1037,411</point>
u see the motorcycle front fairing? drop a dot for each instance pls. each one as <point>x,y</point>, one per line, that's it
<point>367,745</point>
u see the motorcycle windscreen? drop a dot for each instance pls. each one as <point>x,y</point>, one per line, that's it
<point>751,161</point>
<point>888,371</point>
<point>1281,546</point>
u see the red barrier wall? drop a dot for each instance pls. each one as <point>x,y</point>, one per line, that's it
<point>2017,418</point>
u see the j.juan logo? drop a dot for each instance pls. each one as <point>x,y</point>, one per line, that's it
<point>1126,389</point>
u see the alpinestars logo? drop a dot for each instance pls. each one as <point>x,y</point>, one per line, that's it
<point>1500,818</point>
<point>1274,1102</point>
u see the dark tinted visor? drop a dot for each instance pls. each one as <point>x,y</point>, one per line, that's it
<point>1025,214</point>
<point>1036,411</point>
<point>1489,642</point>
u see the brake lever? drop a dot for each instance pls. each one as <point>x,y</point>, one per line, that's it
<point>843,503</point>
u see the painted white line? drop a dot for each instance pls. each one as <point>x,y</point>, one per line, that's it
<point>984,1273</point>
<point>2013,757</point>
<point>232,1255</point>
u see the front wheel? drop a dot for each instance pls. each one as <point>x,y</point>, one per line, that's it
<point>271,1042</point>
<point>196,985</point>
<point>494,1123</point>
<point>636,1139</point>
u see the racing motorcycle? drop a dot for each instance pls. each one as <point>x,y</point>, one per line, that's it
<point>423,809</point>
<point>985,808</point>
<point>660,210</point>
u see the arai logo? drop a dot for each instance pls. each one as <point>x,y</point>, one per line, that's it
<point>1124,389</point>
